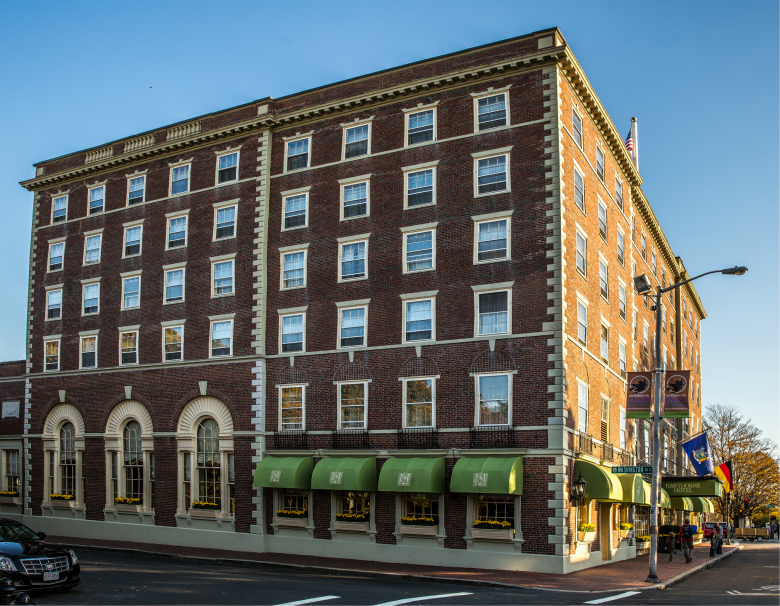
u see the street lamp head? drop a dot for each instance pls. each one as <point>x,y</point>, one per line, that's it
<point>642,284</point>
<point>735,271</point>
<point>578,488</point>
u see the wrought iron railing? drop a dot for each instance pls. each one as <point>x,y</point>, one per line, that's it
<point>607,452</point>
<point>344,439</point>
<point>418,437</point>
<point>626,458</point>
<point>290,440</point>
<point>492,437</point>
<point>583,443</point>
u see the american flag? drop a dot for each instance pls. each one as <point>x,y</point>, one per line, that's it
<point>630,141</point>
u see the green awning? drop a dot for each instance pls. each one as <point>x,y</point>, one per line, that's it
<point>284,472</point>
<point>633,487</point>
<point>702,505</point>
<point>694,487</point>
<point>664,501</point>
<point>648,493</point>
<point>493,475</point>
<point>710,506</point>
<point>345,473</point>
<point>415,474</point>
<point>682,504</point>
<point>602,483</point>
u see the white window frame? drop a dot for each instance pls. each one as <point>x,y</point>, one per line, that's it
<point>218,206</point>
<point>343,184</point>
<point>622,357</point>
<point>353,240</point>
<point>222,154</point>
<point>91,334</point>
<point>303,387</point>
<point>171,268</point>
<point>646,337</point>
<point>50,289</point>
<point>177,215</point>
<point>580,233</point>
<point>91,234</point>
<point>59,352</point>
<point>491,218</point>
<point>289,250</point>
<point>489,289</point>
<point>489,155</point>
<point>308,153</point>
<point>215,320</point>
<point>223,259</point>
<point>491,93</point>
<point>581,173</point>
<point>51,213</point>
<point>580,421</point>
<point>174,324</point>
<point>189,178</point>
<point>623,300</point>
<point>130,276</point>
<point>623,430</point>
<point>603,177</point>
<point>510,377</point>
<point>356,124</point>
<point>131,225</point>
<point>48,255</point>
<point>619,182</point>
<point>130,178</point>
<point>582,301</point>
<point>364,383</point>
<point>604,324</point>
<point>84,284</point>
<point>410,231</point>
<point>419,168</point>
<point>89,196</point>
<point>620,234</point>
<point>581,143</point>
<point>286,314</point>
<point>342,308</point>
<point>136,332</point>
<point>419,110</point>
<point>416,299</point>
<point>602,206</point>
<point>294,193</point>
<point>603,262</point>
<point>404,381</point>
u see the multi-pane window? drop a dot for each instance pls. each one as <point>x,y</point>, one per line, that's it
<point>67,459</point>
<point>133,461</point>
<point>420,127</point>
<point>356,141</point>
<point>136,190</point>
<point>227,168</point>
<point>493,312</point>
<point>493,399</point>
<point>293,269</point>
<point>173,337</point>
<point>600,163</point>
<point>53,304</point>
<point>56,253</point>
<point>187,479</point>
<point>495,507</point>
<point>292,407</point>
<point>59,211</point>
<point>128,343</point>
<point>353,260</point>
<point>419,251</point>
<point>96,199</point>
<point>177,231</point>
<point>621,251</point>
<point>295,500</point>
<point>174,285</point>
<point>419,402</point>
<point>91,298</point>
<point>492,175</point>
<point>180,179</point>
<point>223,278</point>
<point>603,280</point>
<point>295,212</point>
<point>419,188</point>
<point>12,471</point>
<point>581,254</point>
<point>225,223</point>
<point>353,327</point>
<point>422,506</point>
<point>52,349</point>
<point>619,193</point>
<point>622,358</point>
<point>88,352</point>
<point>354,503</point>
<point>576,123</point>
<point>352,403</point>
<point>492,240</point>
<point>131,292</point>
<point>644,246</point>
<point>604,343</point>
<point>579,190</point>
<point>645,346</point>
<point>622,300</point>
<point>355,200</point>
<point>635,325</point>
<point>419,320</point>
<point>653,263</point>
<point>491,112</point>
<point>602,221</point>
<point>92,249</point>
<point>133,240</point>
<point>221,338</point>
<point>292,332</point>
<point>582,323</point>
<point>208,462</point>
<point>297,154</point>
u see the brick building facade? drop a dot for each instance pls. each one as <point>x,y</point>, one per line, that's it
<point>403,303</point>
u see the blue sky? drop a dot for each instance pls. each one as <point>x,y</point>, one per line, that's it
<point>701,77</point>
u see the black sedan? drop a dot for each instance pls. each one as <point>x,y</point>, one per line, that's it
<point>32,563</point>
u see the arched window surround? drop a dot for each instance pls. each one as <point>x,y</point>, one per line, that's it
<point>58,416</point>
<point>122,414</point>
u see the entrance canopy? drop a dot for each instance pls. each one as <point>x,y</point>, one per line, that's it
<point>415,474</point>
<point>494,475</point>
<point>693,487</point>
<point>602,483</point>
<point>682,504</point>
<point>284,472</point>
<point>345,473</point>
<point>703,505</point>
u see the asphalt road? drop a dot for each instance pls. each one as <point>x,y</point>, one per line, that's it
<point>116,578</point>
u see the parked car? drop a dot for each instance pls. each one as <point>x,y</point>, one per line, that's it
<point>709,526</point>
<point>34,564</point>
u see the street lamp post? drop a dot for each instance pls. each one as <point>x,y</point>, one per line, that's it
<point>643,286</point>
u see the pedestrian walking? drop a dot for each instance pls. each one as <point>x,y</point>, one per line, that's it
<point>715,540</point>
<point>773,530</point>
<point>670,545</point>
<point>686,540</point>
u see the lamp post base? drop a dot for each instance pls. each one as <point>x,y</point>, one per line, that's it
<point>652,578</point>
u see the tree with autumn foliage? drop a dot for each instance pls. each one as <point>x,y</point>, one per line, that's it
<point>754,461</point>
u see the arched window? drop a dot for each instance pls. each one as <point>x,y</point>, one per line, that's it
<point>133,461</point>
<point>67,460</point>
<point>63,462</point>
<point>208,462</point>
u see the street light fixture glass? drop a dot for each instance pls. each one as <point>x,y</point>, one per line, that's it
<point>578,488</point>
<point>642,284</point>
<point>735,271</point>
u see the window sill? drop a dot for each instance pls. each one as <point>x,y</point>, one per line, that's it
<point>227,183</point>
<point>223,296</point>
<point>216,357</point>
<point>130,308</point>
<point>91,264</point>
<point>353,280</point>
<point>418,271</point>
<point>292,288</point>
<point>173,302</point>
<point>132,256</point>
<point>420,342</point>
<point>97,313</point>
<point>493,193</point>
<point>181,193</point>
<point>52,319</point>
<point>419,206</point>
<point>223,239</point>
<point>354,218</point>
<point>294,228</point>
<point>491,335</point>
<point>296,170</point>
<point>492,261</point>
<point>53,271</point>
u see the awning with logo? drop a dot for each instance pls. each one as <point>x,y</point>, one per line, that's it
<point>345,473</point>
<point>693,487</point>
<point>493,475</point>
<point>633,488</point>
<point>284,472</point>
<point>602,483</point>
<point>682,504</point>
<point>415,474</point>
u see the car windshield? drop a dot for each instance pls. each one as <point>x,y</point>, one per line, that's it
<point>12,531</point>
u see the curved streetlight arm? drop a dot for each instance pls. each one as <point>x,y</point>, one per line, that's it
<point>716,271</point>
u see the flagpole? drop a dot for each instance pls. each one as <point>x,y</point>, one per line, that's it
<point>636,142</point>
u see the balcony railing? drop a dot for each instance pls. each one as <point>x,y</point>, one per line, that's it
<point>583,443</point>
<point>492,437</point>
<point>418,437</point>
<point>344,439</point>
<point>626,458</point>
<point>607,452</point>
<point>290,440</point>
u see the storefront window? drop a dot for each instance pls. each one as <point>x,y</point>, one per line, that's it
<point>496,507</point>
<point>642,521</point>
<point>422,506</point>
<point>354,503</point>
<point>295,500</point>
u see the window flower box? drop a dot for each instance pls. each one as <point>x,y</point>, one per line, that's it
<point>626,530</point>
<point>62,501</point>
<point>498,534</point>
<point>202,513</point>
<point>586,537</point>
<point>9,497</point>
<point>127,505</point>
<point>351,526</point>
<point>292,522</point>
<point>429,531</point>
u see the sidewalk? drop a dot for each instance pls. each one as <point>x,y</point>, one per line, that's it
<point>625,575</point>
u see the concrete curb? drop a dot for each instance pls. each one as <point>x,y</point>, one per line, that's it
<point>397,575</point>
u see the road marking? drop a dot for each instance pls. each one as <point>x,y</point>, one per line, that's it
<point>310,600</point>
<point>627,594</point>
<point>425,597</point>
